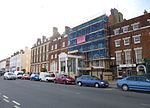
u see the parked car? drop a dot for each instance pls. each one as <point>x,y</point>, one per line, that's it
<point>45,76</point>
<point>88,80</point>
<point>25,77</point>
<point>134,83</point>
<point>9,76</point>
<point>2,73</point>
<point>34,77</point>
<point>64,79</point>
<point>19,74</point>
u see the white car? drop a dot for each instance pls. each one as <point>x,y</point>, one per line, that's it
<point>10,76</point>
<point>19,74</point>
<point>45,76</point>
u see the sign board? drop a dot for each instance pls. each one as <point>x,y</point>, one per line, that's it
<point>80,39</point>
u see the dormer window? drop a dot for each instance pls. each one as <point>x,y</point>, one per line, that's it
<point>125,29</point>
<point>66,36</point>
<point>135,26</point>
<point>59,38</point>
<point>116,31</point>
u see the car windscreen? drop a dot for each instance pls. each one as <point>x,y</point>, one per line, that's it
<point>47,75</point>
<point>36,75</point>
<point>52,75</point>
<point>96,78</point>
<point>20,74</point>
<point>10,74</point>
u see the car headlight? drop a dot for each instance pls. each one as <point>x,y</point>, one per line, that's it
<point>102,82</point>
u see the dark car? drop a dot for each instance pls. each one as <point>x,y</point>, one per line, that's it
<point>34,77</point>
<point>2,73</point>
<point>134,83</point>
<point>88,80</point>
<point>64,79</point>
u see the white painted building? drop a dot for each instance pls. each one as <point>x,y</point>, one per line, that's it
<point>2,64</point>
<point>13,63</point>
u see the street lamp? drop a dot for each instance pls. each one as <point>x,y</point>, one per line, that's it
<point>113,66</point>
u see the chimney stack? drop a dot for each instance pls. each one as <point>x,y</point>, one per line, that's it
<point>145,12</point>
<point>55,31</point>
<point>67,29</point>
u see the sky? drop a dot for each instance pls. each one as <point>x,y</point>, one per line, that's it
<point>23,21</point>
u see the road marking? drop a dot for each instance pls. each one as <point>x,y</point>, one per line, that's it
<point>16,106</point>
<point>5,96</point>
<point>16,103</point>
<point>6,100</point>
<point>145,104</point>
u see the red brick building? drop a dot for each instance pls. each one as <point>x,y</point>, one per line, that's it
<point>44,53</point>
<point>129,44</point>
<point>58,44</point>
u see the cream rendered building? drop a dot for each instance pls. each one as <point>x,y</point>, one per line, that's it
<point>20,60</point>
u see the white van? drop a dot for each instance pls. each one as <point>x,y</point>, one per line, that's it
<point>45,76</point>
<point>19,74</point>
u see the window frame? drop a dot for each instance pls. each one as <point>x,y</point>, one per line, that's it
<point>135,37</point>
<point>125,29</point>
<point>117,43</point>
<point>116,31</point>
<point>127,38</point>
<point>55,46</point>
<point>135,26</point>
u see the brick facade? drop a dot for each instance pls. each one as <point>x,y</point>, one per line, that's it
<point>130,40</point>
<point>44,53</point>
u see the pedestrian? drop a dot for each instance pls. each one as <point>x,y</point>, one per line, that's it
<point>101,76</point>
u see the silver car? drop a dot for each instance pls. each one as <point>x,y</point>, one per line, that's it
<point>10,76</point>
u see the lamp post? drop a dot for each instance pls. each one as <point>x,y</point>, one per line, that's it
<point>113,66</point>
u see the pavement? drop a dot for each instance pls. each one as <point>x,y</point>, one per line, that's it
<point>112,83</point>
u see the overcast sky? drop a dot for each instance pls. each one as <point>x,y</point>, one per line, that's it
<point>23,21</point>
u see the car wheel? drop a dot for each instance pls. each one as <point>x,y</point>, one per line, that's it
<point>96,85</point>
<point>125,87</point>
<point>79,83</point>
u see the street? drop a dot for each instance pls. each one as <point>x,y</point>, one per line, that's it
<point>33,94</point>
